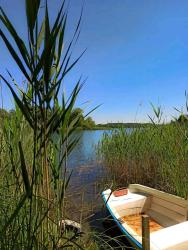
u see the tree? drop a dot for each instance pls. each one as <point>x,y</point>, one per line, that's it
<point>83,123</point>
<point>77,113</point>
<point>89,123</point>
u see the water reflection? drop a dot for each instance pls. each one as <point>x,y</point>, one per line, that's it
<point>83,160</point>
<point>84,152</point>
<point>84,190</point>
<point>86,185</point>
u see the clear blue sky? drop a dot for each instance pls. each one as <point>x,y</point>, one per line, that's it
<point>137,53</point>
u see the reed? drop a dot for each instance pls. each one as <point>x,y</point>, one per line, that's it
<point>36,139</point>
<point>155,156</point>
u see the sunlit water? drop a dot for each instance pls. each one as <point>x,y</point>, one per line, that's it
<point>87,182</point>
<point>83,159</point>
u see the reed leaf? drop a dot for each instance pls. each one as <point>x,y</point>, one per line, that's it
<point>14,55</point>
<point>25,175</point>
<point>19,42</point>
<point>20,104</point>
<point>40,35</point>
<point>14,215</point>
<point>32,8</point>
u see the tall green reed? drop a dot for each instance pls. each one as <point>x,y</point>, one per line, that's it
<point>155,155</point>
<point>37,138</point>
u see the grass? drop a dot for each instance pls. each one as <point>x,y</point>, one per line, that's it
<point>156,156</point>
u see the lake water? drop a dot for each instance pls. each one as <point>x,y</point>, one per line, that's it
<point>83,160</point>
<point>87,182</point>
<point>88,173</point>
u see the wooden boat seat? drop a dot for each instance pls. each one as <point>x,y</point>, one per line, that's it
<point>166,209</point>
<point>161,219</point>
<point>134,221</point>
<point>166,213</point>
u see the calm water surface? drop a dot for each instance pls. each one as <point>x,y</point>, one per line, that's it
<point>87,182</point>
<point>83,159</point>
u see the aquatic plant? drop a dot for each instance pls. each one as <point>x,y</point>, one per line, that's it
<point>35,140</point>
<point>155,155</point>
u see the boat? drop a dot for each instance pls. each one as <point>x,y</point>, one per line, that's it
<point>149,218</point>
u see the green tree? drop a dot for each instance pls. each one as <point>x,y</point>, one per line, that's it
<point>77,114</point>
<point>89,123</point>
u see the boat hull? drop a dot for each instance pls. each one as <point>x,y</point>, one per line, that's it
<point>128,236</point>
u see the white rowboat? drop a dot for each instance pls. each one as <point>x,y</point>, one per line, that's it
<point>168,217</point>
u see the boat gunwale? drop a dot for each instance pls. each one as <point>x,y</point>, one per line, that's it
<point>138,188</point>
<point>131,239</point>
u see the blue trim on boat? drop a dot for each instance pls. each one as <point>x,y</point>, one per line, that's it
<point>138,244</point>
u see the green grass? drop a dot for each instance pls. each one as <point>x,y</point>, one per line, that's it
<point>155,156</point>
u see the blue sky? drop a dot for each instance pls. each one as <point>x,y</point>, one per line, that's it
<point>137,53</point>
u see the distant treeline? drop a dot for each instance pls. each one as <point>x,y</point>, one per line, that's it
<point>87,123</point>
<point>83,122</point>
<point>183,118</point>
<point>123,125</point>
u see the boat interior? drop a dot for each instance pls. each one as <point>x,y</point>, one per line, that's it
<point>135,222</point>
<point>164,211</point>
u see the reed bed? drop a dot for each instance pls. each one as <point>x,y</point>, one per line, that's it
<point>156,156</point>
<point>36,138</point>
